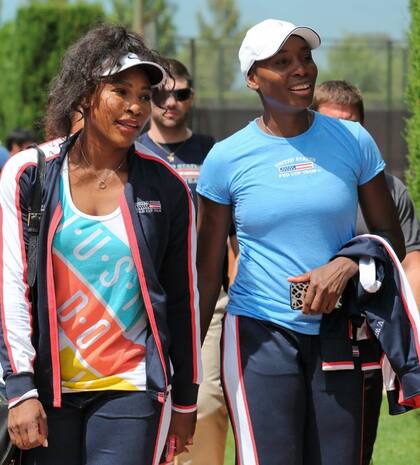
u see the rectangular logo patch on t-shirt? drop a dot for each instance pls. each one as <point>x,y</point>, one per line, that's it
<point>148,206</point>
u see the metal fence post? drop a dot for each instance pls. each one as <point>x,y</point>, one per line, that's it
<point>405,70</point>
<point>194,120</point>
<point>389,100</point>
<point>138,16</point>
<point>193,60</point>
<point>221,75</point>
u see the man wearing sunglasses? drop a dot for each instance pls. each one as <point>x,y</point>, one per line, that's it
<point>170,137</point>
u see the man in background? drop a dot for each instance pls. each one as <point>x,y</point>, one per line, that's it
<point>170,137</point>
<point>18,140</point>
<point>4,156</point>
<point>339,99</point>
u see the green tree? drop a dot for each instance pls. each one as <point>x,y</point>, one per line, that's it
<point>372,62</point>
<point>413,102</point>
<point>50,2</point>
<point>9,77</point>
<point>225,22</point>
<point>31,48</point>
<point>158,19</point>
<point>216,60</point>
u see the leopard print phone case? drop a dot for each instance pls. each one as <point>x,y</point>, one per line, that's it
<point>297,294</point>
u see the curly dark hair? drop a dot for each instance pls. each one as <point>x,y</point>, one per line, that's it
<point>179,70</point>
<point>80,74</point>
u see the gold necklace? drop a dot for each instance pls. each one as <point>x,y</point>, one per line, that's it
<point>267,129</point>
<point>170,155</point>
<point>101,180</point>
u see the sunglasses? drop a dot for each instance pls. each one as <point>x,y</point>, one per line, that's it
<point>180,95</point>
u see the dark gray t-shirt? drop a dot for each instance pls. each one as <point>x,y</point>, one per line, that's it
<point>409,223</point>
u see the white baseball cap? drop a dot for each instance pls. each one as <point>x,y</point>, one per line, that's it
<point>155,72</point>
<point>265,39</point>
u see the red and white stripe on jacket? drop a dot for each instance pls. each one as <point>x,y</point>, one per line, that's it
<point>14,290</point>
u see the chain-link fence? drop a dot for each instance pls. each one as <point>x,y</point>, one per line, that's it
<point>377,65</point>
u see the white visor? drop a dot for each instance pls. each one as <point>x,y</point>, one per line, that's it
<point>155,72</point>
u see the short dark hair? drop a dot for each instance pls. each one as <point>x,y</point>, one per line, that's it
<point>19,136</point>
<point>179,70</point>
<point>82,69</point>
<point>341,93</point>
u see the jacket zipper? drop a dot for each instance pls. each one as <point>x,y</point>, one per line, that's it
<point>145,292</point>
<point>52,313</point>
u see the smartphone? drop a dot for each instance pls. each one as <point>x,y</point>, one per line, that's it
<point>297,295</point>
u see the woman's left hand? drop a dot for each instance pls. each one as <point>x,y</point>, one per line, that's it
<point>182,429</point>
<point>326,284</point>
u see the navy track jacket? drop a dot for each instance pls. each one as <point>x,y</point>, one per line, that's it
<point>393,339</point>
<point>162,241</point>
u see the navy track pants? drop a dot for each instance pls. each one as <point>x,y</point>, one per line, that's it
<point>284,409</point>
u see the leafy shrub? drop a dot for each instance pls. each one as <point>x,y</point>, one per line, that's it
<point>413,102</point>
<point>31,49</point>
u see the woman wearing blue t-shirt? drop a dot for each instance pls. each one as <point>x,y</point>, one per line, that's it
<point>291,180</point>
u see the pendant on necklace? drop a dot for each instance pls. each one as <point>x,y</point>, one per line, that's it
<point>171,157</point>
<point>101,184</point>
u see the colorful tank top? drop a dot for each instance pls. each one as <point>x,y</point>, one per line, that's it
<point>101,314</point>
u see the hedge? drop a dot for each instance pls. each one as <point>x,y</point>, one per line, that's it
<point>31,49</point>
<point>413,102</point>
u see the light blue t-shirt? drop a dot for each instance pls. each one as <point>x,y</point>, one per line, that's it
<point>294,203</point>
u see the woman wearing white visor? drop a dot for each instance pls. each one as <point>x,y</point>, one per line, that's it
<point>106,359</point>
<point>290,179</point>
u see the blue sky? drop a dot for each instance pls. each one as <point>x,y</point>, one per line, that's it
<point>331,18</point>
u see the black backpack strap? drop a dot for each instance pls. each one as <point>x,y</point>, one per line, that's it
<point>35,211</point>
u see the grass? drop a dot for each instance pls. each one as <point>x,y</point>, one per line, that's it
<point>230,449</point>
<point>397,443</point>
<point>398,440</point>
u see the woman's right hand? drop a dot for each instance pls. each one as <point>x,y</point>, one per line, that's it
<point>27,424</point>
